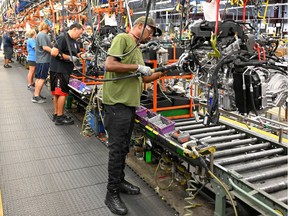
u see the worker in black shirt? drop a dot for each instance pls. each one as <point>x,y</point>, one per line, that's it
<point>61,66</point>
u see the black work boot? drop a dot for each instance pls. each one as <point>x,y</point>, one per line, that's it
<point>114,203</point>
<point>128,188</point>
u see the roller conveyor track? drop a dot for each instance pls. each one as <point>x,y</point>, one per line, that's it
<point>256,161</point>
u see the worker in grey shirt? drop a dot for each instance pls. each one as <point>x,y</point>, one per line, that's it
<point>43,57</point>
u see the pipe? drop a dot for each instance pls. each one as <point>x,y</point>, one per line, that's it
<point>255,165</point>
<point>268,174</point>
<point>233,143</point>
<point>218,133</point>
<point>225,138</point>
<point>207,129</point>
<point>128,14</point>
<point>188,122</point>
<point>241,150</point>
<point>275,187</point>
<point>251,156</point>
<point>248,195</point>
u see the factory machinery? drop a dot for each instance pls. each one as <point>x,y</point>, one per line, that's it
<point>238,75</point>
<point>232,72</point>
<point>221,66</point>
<point>252,167</point>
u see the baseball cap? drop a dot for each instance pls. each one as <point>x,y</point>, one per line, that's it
<point>150,22</point>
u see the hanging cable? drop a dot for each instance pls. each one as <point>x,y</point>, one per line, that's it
<point>161,162</point>
<point>138,41</point>
<point>75,66</point>
<point>204,165</point>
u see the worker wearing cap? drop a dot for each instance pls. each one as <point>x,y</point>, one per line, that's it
<point>120,98</point>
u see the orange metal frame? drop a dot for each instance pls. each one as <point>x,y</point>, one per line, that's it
<point>155,108</point>
<point>84,79</point>
<point>189,106</point>
<point>112,7</point>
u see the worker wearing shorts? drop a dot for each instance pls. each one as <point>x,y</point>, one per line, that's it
<point>64,54</point>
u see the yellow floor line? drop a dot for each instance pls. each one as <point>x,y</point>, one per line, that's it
<point>1,206</point>
<point>255,129</point>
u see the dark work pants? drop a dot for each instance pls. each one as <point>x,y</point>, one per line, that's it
<point>119,123</point>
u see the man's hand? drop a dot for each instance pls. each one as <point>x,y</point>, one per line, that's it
<point>86,55</point>
<point>73,58</point>
<point>144,70</point>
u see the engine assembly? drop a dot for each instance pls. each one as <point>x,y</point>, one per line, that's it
<point>236,75</point>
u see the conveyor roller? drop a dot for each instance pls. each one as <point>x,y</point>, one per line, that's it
<point>217,133</point>
<point>261,163</point>
<point>275,187</point>
<point>190,127</point>
<point>233,143</point>
<point>182,123</point>
<point>241,149</point>
<point>268,174</point>
<point>249,156</point>
<point>255,164</point>
<point>205,130</point>
<point>225,138</point>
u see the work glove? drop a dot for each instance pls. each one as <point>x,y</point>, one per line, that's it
<point>86,55</point>
<point>73,58</point>
<point>144,70</point>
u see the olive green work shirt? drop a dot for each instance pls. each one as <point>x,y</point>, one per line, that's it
<point>125,91</point>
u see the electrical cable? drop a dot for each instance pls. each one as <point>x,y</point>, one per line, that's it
<point>138,41</point>
<point>35,6</point>
<point>100,113</point>
<point>156,179</point>
<point>244,91</point>
<point>252,100</point>
<point>113,79</point>
<point>226,190</point>
<point>160,87</point>
<point>203,163</point>
<point>243,23</point>
<point>212,103</point>
<point>191,188</point>
<point>88,109</point>
<point>95,79</point>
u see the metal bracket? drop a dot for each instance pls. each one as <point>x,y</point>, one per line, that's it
<point>220,200</point>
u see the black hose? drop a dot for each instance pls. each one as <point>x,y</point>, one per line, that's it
<point>138,42</point>
<point>263,64</point>
<point>244,101</point>
<point>252,96</point>
<point>113,79</point>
